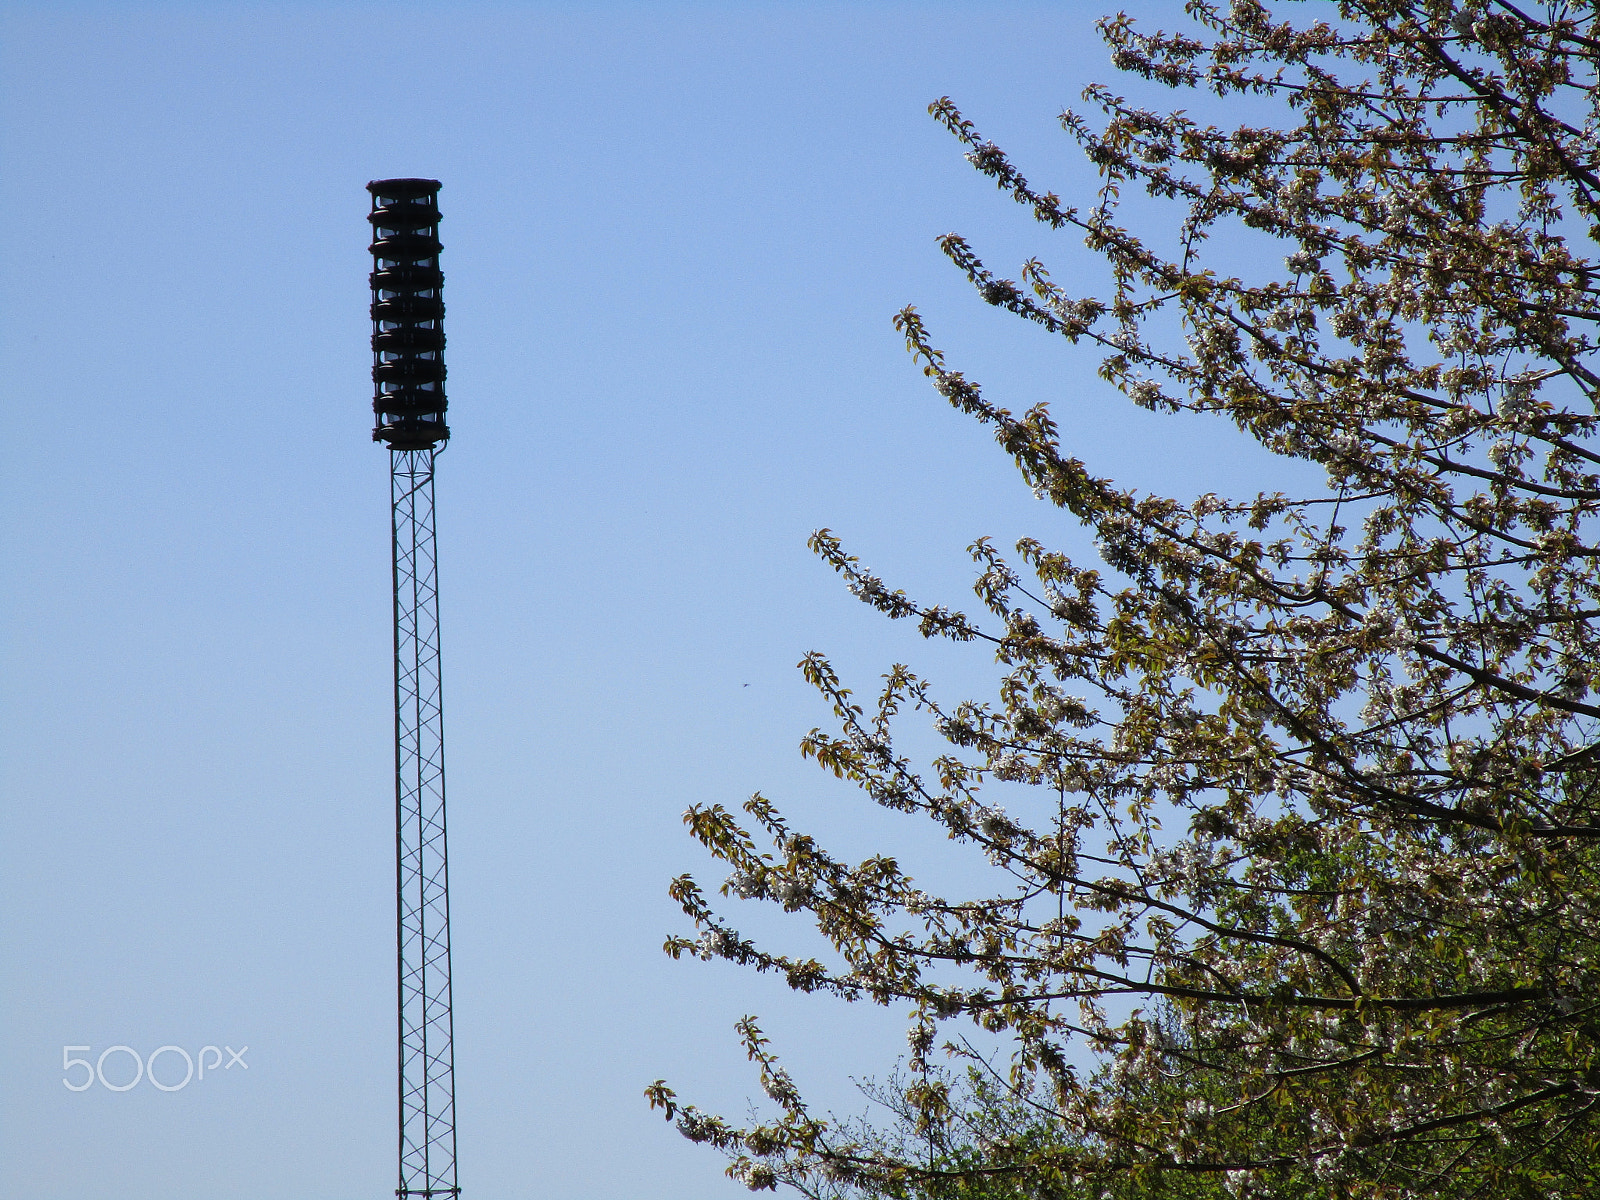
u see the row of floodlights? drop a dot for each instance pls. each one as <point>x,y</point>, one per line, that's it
<point>407,314</point>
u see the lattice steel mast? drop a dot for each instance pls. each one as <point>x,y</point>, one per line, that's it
<point>409,402</point>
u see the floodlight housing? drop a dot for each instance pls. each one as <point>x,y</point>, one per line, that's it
<point>408,371</point>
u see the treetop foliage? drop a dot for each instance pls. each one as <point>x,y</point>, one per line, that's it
<point>1308,853</point>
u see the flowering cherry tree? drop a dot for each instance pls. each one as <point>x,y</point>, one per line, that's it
<point>1308,859</point>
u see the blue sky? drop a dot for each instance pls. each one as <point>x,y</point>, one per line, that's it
<point>675,236</point>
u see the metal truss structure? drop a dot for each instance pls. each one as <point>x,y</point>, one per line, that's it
<point>427,1061</point>
<point>409,403</point>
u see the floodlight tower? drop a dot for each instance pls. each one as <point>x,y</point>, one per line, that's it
<point>409,403</point>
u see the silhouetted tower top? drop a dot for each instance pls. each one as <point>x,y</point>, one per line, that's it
<point>407,315</point>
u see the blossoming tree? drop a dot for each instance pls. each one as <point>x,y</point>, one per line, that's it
<point>1310,866</point>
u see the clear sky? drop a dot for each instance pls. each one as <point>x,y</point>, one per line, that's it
<point>675,236</point>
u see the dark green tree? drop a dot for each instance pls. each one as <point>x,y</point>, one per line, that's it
<point>1310,862</point>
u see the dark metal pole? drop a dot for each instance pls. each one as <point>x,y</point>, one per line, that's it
<point>409,403</point>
